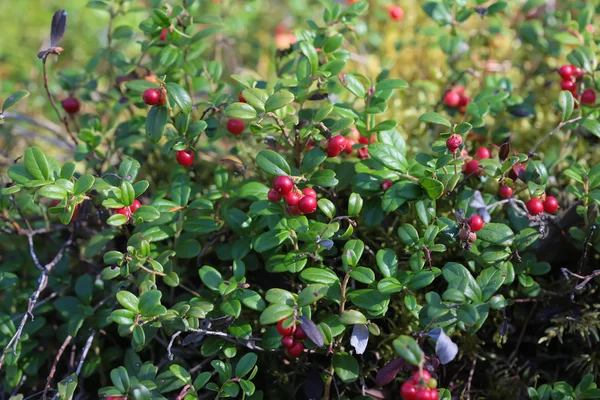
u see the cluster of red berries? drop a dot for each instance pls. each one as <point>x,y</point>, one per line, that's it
<point>154,97</point>
<point>293,335</point>
<point>299,202</point>
<point>396,13</point>
<point>456,98</point>
<point>536,206</point>
<point>71,105</point>
<point>128,211</point>
<point>570,74</point>
<point>472,167</point>
<point>421,387</point>
<point>185,157</point>
<point>355,137</point>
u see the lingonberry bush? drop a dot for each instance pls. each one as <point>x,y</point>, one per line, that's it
<point>323,231</point>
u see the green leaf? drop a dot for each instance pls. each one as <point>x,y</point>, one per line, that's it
<point>256,98</point>
<point>245,364</point>
<point>346,367</point>
<point>83,184</point>
<point>433,187</point>
<point>363,275</point>
<point>591,125</point>
<point>274,313</point>
<point>387,261</point>
<point>327,207</point>
<point>408,349</point>
<point>54,192</point>
<point>278,100</point>
<point>389,84</point>
<point>128,300</point>
<point>566,103</point>
<point>210,277</point>
<point>272,163</point>
<point>355,203</point>
<point>160,18</point>
<point>311,54</point>
<point>384,126</point>
<point>146,213</point>
<point>352,317</point>
<point>66,387</point>
<point>388,157</point>
<point>129,169</point>
<point>468,314</point>
<point>311,294</point>
<point>270,239</point>
<point>408,234</point>
<point>181,97</point>
<point>435,118</point>
<point>156,122</point>
<point>120,379</point>
<point>36,163</point>
<point>149,301</point>
<point>127,193</point>
<point>354,86</point>
<point>241,111</point>
<point>495,233</point>
<point>324,177</point>
<point>313,159</point>
<point>319,275</point>
<point>14,99</point>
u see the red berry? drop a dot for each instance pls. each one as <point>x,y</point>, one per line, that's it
<point>588,96</point>
<point>482,153</point>
<point>568,85</point>
<point>427,394</point>
<point>550,205</point>
<point>417,377</point>
<point>451,99</point>
<point>566,71</point>
<point>296,350</point>
<point>386,185</point>
<point>292,198</point>
<point>472,168</point>
<point>154,97</point>
<point>535,206</point>
<point>136,204</point>
<point>349,143</point>
<point>464,100</point>
<point>299,334</point>
<point>287,342</point>
<point>308,204</point>
<point>163,34</point>
<point>116,398</point>
<point>309,192</point>
<point>236,126</point>
<point>126,211</point>
<point>185,157</point>
<point>336,145</point>
<point>283,330</point>
<point>453,143</point>
<point>283,184</point>
<point>296,210</point>
<point>505,191</point>
<point>363,140</point>
<point>397,13</point>
<point>408,391</point>
<point>475,223</point>
<point>71,105</point>
<point>273,196</point>
<point>241,97</point>
<point>577,72</point>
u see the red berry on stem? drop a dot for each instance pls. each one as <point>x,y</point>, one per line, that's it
<point>241,97</point>
<point>336,145</point>
<point>296,350</point>
<point>285,331</point>
<point>577,72</point>
<point>299,334</point>
<point>349,143</point>
<point>296,210</point>
<point>292,198</point>
<point>475,223</point>
<point>363,140</point>
<point>427,394</point>
<point>451,99</point>
<point>185,157</point>
<point>417,377</point>
<point>126,211</point>
<point>472,168</point>
<point>464,100</point>
<point>566,71</point>
<point>505,191</point>
<point>236,126</point>
<point>550,205</point>
<point>397,13</point>
<point>136,204</point>
<point>588,96</point>
<point>309,192</point>
<point>482,153</point>
<point>453,143</point>
<point>535,206</point>
<point>273,196</point>
<point>154,97</point>
<point>71,105</point>
<point>283,185</point>
<point>163,34</point>
<point>408,391</point>
<point>287,342</point>
<point>568,85</point>
<point>308,204</point>
<point>386,185</point>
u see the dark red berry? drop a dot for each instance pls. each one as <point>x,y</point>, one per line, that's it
<point>568,85</point>
<point>295,210</point>
<point>577,72</point>
<point>550,205</point>
<point>427,394</point>
<point>71,105</point>
<point>273,196</point>
<point>397,13</point>
<point>154,97</point>
<point>408,391</point>
<point>283,330</point>
<point>464,100</point>
<point>453,143</point>
<point>292,198</point>
<point>363,140</point>
<point>475,223</point>
<point>472,168</point>
<point>299,334</point>
<point>588,97</point>
<point>287,342</point>
<point>309,192</point>
<point>236,126</point>
<point>505,191</point>
<point>163,34</point>
<point>136,204</point>
<point>349,143</point>
<point>241,97</point>
<point>336,145</point>
<point>385,185</point>
<point>185,157</point>
<point>535,206</point>
<point>451,99</point>
<point>283,184</point>
<point>296,350</point>
<point>566,71</point>
<point>308,204</point>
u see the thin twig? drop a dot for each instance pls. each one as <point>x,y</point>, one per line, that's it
<point>53,103</point>
<point>169,354</point>
<point>552,132</point>
<point>54,365</point>
<point>470,380</point>
<point>85,351</point>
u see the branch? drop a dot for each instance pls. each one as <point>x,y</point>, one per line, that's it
<point>85,351</point>
<point>53,103</point>
<point>552,132</point>
<point>54,364</point>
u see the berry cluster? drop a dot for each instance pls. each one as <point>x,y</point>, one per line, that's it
<point>154,97</point>
<point>570,74</point>
<point>293,335</point>
<point>128,211</point>
<point>472,166</point>
<point>299,202</point>
<point>456,98</point>
<point>536,206</point>
<point>421,387</point>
